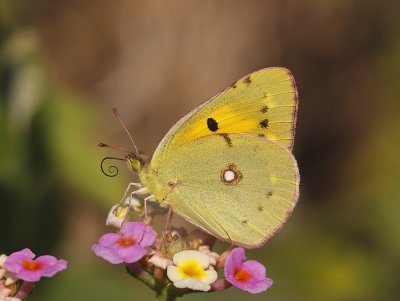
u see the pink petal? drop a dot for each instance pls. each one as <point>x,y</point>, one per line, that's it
<point>142,233</point>
<point>109,239</point>
<point>254,287</point>
<point>46,259</point>
<point>30,276</point>
<point>132,254</point>
<point>259,286</point>
<point>107,253</point>
<point>255,269</point>
<point>148,238</point>
<point>14,261</point>
<point>134,229</point>
<point>51,265</point>
<point>234,260</point>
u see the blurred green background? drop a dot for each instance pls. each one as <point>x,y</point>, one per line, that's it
<point>65,63</point>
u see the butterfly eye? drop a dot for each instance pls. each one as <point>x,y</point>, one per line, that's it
<point>134,164</point>
<point>136,161</point>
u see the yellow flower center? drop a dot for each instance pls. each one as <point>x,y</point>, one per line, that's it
<point>125,242</point>
<point>242,275</point>
<point>191,269</point>
<point>31,265</point>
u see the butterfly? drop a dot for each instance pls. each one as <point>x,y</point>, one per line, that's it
<point>227,166</point>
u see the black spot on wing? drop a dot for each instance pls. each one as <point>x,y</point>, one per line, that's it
<point>264,123</point>
<point>247,80</point>
<point>264,109</point>
<point>227,139</point>
<point>261,135</point>
<point>212,124</point>
<point>269,194</point>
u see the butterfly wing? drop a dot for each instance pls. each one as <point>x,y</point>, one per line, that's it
<point>263,103</point>
<point>240,188</point>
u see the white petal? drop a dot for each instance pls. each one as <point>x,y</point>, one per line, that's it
<point>160,261</point>
<point>212,255</point>
<point>3,258</point>
<point>213,258</point>
<point>172,273</point>
<point>182,283</point>
<point>5,292</point>
<point>181,257</point>
<point>193,284</point>
<point>117,216</point>
<point>210,277</point>
<point>10,279</point>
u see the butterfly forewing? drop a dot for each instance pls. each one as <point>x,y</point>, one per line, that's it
<point>263,103</point>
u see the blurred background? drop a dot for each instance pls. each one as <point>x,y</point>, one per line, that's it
<point>65,63</point>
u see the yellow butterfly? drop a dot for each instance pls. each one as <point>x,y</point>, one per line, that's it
<point>227,165</point>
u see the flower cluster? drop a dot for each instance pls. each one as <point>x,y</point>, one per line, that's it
<point>176,257</point>
<point>8,282</point>
<point>22,267</point>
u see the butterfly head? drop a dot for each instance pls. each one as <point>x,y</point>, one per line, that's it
<point>136,161</point>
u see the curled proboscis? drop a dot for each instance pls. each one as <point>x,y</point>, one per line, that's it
<point>112,170</point>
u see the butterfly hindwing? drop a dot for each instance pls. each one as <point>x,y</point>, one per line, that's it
<point>241,188</point>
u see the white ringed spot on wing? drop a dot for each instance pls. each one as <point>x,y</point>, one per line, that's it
<point>230,175</point>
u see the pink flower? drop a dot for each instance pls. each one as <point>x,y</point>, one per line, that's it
<point>127,246</point>
<point>26,268</point>
<point>249,276</point>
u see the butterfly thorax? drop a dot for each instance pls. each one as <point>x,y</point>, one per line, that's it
<point>149,179</point>
<point>140,164</point>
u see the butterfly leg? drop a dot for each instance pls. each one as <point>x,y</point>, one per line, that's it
<point>149,198</point>
<point>167,225</point>
<point>141,191</point>
<point>130,185</point>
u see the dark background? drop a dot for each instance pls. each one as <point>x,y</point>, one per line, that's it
<point>64,64</point>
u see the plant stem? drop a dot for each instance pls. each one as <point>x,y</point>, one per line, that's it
<point>165,294</point>
<point>25,290</point>
<point>163,291</point>
<point>142,275</point>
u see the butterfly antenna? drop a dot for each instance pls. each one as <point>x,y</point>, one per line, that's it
<point>114,147</point>
<point>126,130</point>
